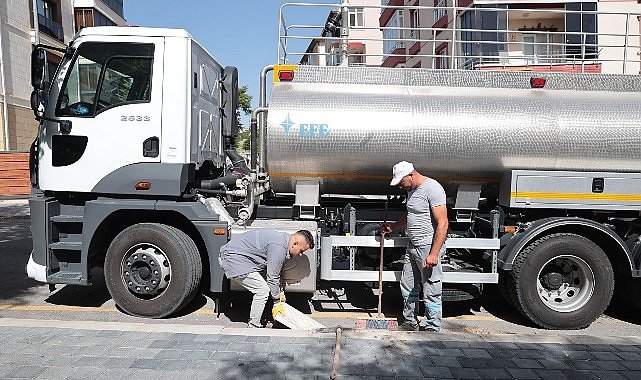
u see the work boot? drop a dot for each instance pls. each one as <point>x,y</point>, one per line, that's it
<point>408,326</point>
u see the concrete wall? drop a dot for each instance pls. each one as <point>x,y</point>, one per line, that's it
<point>16,50</point>
<point>17,39</point>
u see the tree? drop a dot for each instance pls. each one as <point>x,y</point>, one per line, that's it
<point>244,102</point>
<point>244,105</point>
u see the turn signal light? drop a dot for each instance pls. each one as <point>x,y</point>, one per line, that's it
<point>143,186</point>
<point>220,231</point>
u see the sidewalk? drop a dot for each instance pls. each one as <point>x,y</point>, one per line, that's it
<point>11,207</point>
<point>110,350</point>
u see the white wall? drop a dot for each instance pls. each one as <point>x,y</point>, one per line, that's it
<point>614,22</point>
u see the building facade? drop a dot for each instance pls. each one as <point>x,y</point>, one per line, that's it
<point>584,36</point>
<point>365,44</point>
<point>57,22</point>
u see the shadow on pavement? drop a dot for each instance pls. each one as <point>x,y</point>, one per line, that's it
<point>94,295</point>
<point>15,248</point>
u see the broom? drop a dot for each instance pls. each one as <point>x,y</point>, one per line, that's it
<point>379,323</point>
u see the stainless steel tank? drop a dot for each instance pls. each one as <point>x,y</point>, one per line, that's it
<point>347,127</point>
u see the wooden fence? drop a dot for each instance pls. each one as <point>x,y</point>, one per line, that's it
<point>14,173</point>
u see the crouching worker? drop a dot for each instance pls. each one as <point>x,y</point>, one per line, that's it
<point>245,256</point>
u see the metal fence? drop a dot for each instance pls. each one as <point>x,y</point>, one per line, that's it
<point>556,37</point>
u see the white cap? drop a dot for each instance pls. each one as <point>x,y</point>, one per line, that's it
<point>401,169</point>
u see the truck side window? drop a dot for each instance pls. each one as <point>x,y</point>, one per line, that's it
<point>105,75</point>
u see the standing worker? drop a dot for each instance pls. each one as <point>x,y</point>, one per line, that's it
<point>427,224</point>
<point>244,257</point>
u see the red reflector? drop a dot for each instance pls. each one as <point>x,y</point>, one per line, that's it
<point>286,75</point>
<point>143,186</point>
<point>537,82</point>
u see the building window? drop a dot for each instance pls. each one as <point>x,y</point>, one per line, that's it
<point>468,36</point>
<point>439,12</point>
<point>49,18</point>
<point>442,61</point>
<point>415,24</point>
<point>393,34</point>
<point>356,17</point>
<point>115,5</point>
<point>335,56</point>
<point>46,9</point>
<point>581,29</point>
<point>91,17</point>
<point>538,48</point>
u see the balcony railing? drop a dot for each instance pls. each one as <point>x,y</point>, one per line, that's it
<point>515,39</point>
<point>51,28</point>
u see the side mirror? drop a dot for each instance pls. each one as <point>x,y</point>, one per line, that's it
<point>38,103</point>
<point>39,72</point>
<point>230,101</point>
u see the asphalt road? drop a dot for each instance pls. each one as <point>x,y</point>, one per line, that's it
<point>333,305</point>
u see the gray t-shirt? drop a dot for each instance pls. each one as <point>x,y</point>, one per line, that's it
<point>255,251</point>
<point>420,221</point>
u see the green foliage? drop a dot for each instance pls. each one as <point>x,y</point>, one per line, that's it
<point>244,102</point>
<point>244,105</point>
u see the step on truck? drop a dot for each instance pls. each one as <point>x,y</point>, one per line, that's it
<point>135,170</point>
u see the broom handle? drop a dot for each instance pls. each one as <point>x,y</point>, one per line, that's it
<point>380,276</point>
<point>380,265</point>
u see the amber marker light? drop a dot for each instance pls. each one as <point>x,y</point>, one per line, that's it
<point>220,231</point>
<point>143,186</point>
<point>509,229</point>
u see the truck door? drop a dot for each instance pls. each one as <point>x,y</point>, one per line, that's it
<point>107,95</point>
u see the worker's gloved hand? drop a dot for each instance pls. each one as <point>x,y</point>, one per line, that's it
<point>279,308</point>
<point>282,297</point>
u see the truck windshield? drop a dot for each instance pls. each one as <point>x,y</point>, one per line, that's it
<point>105,75</point>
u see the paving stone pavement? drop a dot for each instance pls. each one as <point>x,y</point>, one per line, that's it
<point>37,349</point>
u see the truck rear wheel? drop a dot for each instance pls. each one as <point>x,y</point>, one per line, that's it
<point>561,281</point>
<point>152,270</point>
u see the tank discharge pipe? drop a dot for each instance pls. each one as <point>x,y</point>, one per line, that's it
<point>262,106</point>
<point>254,140</point>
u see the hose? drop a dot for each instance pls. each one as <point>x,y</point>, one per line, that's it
<point>239,170</point>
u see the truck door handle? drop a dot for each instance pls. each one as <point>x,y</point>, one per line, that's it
<point>150,147</point>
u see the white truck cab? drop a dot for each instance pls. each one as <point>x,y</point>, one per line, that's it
<point>131,122</point>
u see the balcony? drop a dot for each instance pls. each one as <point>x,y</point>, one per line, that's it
<point>51,28</point>
<point>115,5</point>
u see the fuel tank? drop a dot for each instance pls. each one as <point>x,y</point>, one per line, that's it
<point>348,126</point>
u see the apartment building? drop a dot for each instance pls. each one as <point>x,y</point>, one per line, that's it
<point>578,36</point>
<point>365,44</point>
<point>56,21</point>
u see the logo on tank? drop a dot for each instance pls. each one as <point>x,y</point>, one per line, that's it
<point>304,129</point>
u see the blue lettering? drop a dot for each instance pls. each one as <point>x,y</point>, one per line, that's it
<point>312,130</point>
<point>304,130</point>
<point>323,130</point>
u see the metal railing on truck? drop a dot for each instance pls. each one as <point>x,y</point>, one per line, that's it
<point>565,37</point>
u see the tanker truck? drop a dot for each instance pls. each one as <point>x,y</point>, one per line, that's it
<point>134,171</point>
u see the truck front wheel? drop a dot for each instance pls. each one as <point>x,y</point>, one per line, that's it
<point>561,281</point>
<point>152,270</point>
